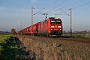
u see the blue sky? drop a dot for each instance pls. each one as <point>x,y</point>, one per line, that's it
<point>17,13</point>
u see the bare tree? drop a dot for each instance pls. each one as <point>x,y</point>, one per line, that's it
<point>13,32</point>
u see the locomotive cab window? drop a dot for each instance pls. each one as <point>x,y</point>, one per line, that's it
<point>55,22</point>
<point>52,21</point>
<point>58,22</point>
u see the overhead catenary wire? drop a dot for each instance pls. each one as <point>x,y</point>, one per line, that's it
<point>61,4</point>
<point>44,8</point>
<point>64,12</point>
<point>76,7</point>
<point>59,8</point>
<point>45,14</point>
<point>73,3</point>
<point>39,11</point>
<point>81,5</point>
<point>57,5</point>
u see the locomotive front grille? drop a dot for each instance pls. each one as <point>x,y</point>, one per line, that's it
<point>55,33</point>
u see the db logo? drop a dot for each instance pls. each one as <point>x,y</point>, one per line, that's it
<point>55,26</point>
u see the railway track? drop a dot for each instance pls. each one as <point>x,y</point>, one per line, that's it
<point>63,38</point>
<point>84,40</point>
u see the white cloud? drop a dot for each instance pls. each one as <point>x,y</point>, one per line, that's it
<point>3,8</point>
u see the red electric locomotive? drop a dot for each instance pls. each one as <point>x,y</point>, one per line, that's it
<point>54,26</point>
<point>50,27</point>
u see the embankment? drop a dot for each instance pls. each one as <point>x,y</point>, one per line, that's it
<point>43,51</point>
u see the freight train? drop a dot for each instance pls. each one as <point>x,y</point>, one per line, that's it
<point>49,27</point>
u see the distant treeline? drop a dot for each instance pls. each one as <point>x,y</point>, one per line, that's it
<point>78,32</point>
<point>4,32</point>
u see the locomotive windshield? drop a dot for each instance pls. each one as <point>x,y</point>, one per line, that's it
<point>55,21</point>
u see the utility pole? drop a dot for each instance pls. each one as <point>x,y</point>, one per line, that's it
<point>21,25</point>
<point>32,15</point>
<point>70,21</point>
<point>21,28</point>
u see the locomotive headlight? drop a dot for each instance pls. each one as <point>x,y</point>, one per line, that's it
<point>60,29</point>
<point>59,26</point>
<point>52,26</point>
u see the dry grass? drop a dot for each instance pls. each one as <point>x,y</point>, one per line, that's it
<point>51,49</point>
